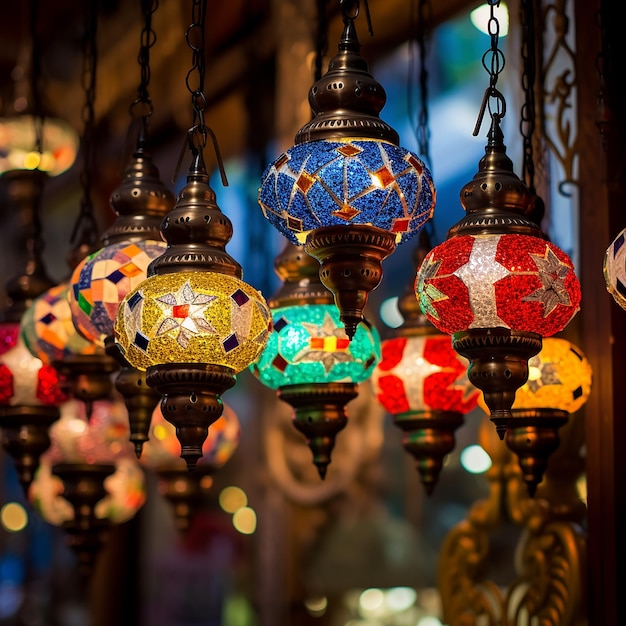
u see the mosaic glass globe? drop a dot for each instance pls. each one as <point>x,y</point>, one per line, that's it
<point>421,374</point>
<point>615,269</point>
<point>192,317</point>
<point>26,380</point>
<point>309,345</point>
<point>345,182</point>
<point>510,281</point>
<point>102,279</point>
<point>102,439</point>
<point>48,330</point>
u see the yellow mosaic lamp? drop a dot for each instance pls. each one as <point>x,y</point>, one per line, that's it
<point>559,383</point>
<point>193,324</point>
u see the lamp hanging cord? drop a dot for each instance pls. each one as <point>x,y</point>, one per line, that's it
<point>493,61</point>
<point>86,229</point>
<point>197,135</point>
<point>142,108</point>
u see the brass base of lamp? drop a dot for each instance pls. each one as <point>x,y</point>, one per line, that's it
<point>87,377</point>
<point>533,436</point>
<point>498,366</point>
<point>351,265</point>
<point>184,491</point>
<point>320,413</point>
<point>25,437</point>
<point>428,437</point>
<point>140,399</point>
<point>190,400</point>
<point>84,488</point>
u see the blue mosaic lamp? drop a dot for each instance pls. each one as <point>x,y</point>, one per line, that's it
<point>346,189</point>
<point>309,358</point>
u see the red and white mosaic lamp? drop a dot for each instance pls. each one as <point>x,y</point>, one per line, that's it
<point>496,284</point>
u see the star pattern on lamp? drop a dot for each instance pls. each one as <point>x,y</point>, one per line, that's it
<point>552,274</point>
<point>184,311</point>
<point>428,293</point>
<point>481,286</point>
<point>329,344</point>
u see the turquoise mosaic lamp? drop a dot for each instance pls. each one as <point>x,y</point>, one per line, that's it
<point>309,359</point>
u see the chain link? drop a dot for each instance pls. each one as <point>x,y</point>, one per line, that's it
<point>199,132</point>
<point>493,61</point>
<point>196,75</point>
<point>142,106</point>
<point>86,227</point>
<point>527,122</point>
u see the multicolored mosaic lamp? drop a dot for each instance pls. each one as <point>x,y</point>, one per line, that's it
<point>29,403</point>
<point>185,491</point>
<point>496,284</point>
<point>101,281</point>
<point>309,358</point>
<point>89,478</point>
<point>422,382</point>
<point>559,383</point>
<point>193,324</point>
<point>50,335</point>
<point>615,269</point>
<point>347,190</point>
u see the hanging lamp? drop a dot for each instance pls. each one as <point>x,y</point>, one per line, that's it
<point>559,384</point>
<point>496,284</point>
<point>187,491</point>
<point>29,391</point>
<point>422,382</point>
<point>193,324</point>
<point>48,330</point>
<point>346,189</point>
<point>309,358</point>
<point>31,139</point>
<point>101,280</point>
<point>89,479</point>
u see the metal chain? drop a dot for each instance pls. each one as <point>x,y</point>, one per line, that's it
<point>142,106</point>
<point>493,61</point>
<point>196,75</point>
<point>197,135</point>
<point>421,12</point>
<point>527,122</point>
<point>86,223</point>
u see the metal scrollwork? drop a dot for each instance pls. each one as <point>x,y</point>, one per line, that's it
<point>549,558</point>
<point>558,90</point>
